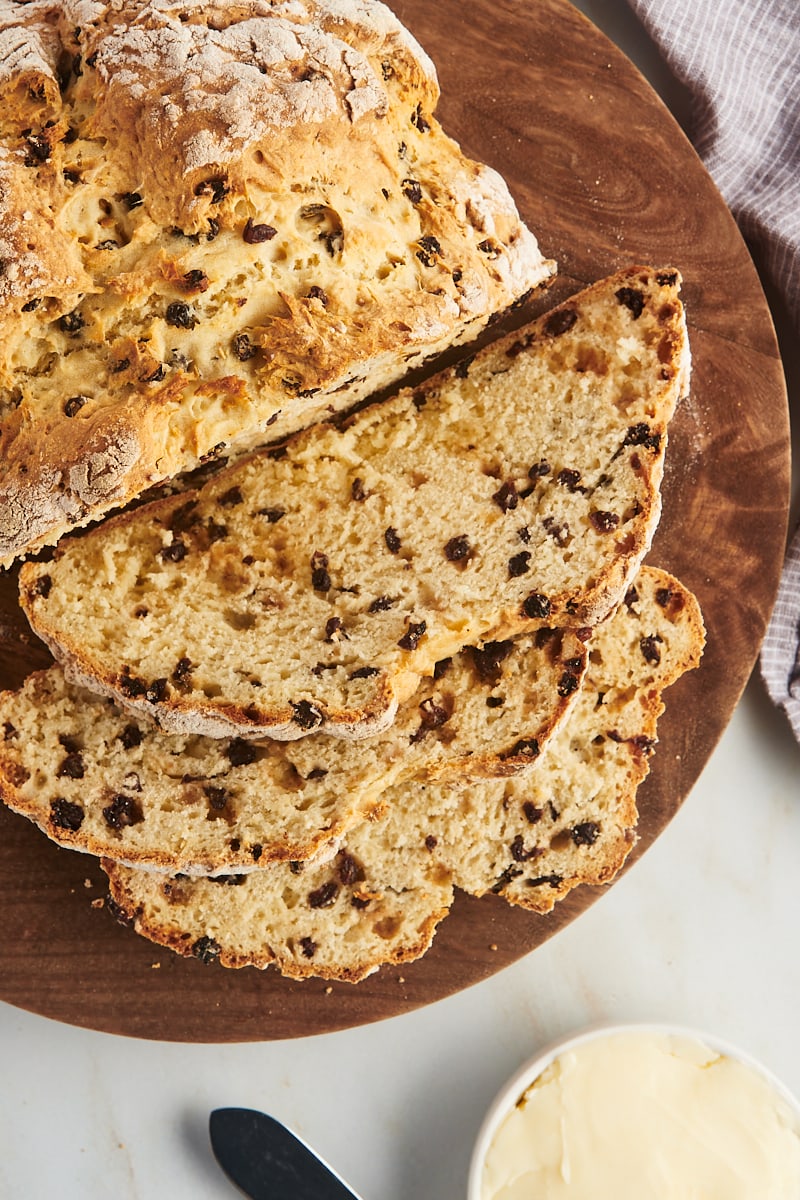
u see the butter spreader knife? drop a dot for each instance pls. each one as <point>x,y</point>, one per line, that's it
<point>267,1162</point>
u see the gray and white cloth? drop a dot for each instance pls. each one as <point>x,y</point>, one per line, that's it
<point>740,59</point>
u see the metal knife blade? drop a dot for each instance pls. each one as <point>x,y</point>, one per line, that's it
<point>268,1162</point>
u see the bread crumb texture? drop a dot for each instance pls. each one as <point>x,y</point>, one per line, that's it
<point>96,779</point>
<point>568,819</point>
<point>311,587</point>
<point>219,221</point>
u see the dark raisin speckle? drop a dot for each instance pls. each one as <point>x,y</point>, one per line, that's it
<point>180,315</point>
<point>37,150</point>
<point>560,322</point>
<point>532,814</point>
<point>429,248</point>
<point>308,947</point>
<point>74,405</point>
<point>585,834</point>
<point>650,650</point>
<point>217,188</point>
<point>71,322</point>
<point>240,752</point>
<point>633,300</point>
<point>320,578</point>
<point>131,736</point>
<point>487,661</point>
<point>183,669</point>
<point>243,348</point>
<point>393,542</point>
<point>642,435</point>
<point>122,812</point>
<point>524,748</point>
<point>315,292</point>
<point>273,515</point>
<point>364,673</point>
<point>569,479</point>
<point>66,815</point>
<point>457,549</point>
<point>419,120</point>
<point>567,684</point>
<point>520,564</point>
<point>350,869</point>
<point>42,586</point>
<point>206,949</point>
<point>539,469</point>
<point>306,714</point>
<point>254,234</point>
<point>324,896</point>
<point>518,851</point>
<point>536,606</point>
<point>604,522</point>
<point>411,638</point>
<point>217,796</point>
<point>382,604</point>
<point>157,691</point>
<point>175,552</point>
<point>72,766</point>
<point>506,497</point>
<point>231,498</point>
<point>433,715</point>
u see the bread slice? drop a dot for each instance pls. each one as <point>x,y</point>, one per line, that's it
<point>311,587</point>
<point>568,820</point>
<point>95,779</point>
<point>342,920</point>
<point>219,223</point>
<point>572,819</point>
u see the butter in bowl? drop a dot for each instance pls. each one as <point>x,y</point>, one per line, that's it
<point>639,1111</point>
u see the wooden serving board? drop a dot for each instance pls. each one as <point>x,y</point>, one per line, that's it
<point>605,177</point>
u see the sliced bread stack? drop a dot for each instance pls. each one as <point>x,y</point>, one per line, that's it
<point>310,588</point>
<point>568,819</point>
<point>330,676</point>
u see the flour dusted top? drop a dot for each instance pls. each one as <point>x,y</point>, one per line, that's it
<point>220,220</point>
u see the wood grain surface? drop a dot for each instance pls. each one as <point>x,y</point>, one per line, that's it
<point>605,177</point>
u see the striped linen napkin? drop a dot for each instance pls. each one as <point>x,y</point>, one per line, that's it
<point>740,59</point>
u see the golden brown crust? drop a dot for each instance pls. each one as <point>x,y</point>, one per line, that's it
<point>190,261</point>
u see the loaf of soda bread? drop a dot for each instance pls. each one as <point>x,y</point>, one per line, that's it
<point>569,819</point>
<point>96,779</point>
<point>310,588</point>
<point>220,221</point>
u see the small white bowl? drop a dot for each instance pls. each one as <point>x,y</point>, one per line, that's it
<point>518,1084</point>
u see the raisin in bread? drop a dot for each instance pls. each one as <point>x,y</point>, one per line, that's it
<point>311,588</point>
<point>219,221</point>
<point>341,920</point>
<point>95,779</point>
<point>568,820</point>
<point>572,819</point>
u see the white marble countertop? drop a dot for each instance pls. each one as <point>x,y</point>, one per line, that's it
<point>703,932</point>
